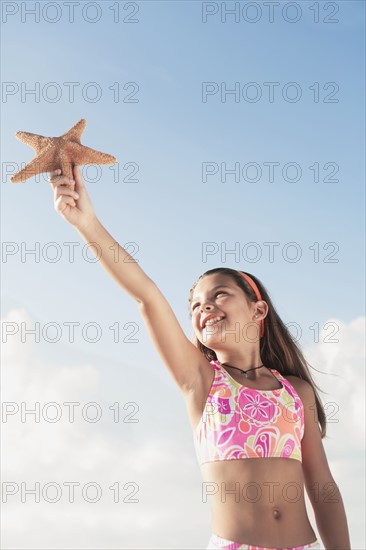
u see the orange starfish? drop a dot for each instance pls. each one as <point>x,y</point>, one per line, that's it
<point>59,152</point>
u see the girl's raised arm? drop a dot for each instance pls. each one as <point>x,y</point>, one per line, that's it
<point>183,360</point>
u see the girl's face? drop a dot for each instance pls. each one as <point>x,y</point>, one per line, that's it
<point>218,295</point>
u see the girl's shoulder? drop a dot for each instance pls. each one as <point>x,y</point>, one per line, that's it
<point>302,387</point>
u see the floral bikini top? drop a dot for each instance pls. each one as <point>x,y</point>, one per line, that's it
<point>240,422</point>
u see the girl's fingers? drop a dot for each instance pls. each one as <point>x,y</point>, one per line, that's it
<point>60,180</point>
<point>65,191</point>
<point>62,202</point>
<point>53,174</point>
<point>78,178</point>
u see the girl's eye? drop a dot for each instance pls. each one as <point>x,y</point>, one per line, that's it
<point>216,294</point>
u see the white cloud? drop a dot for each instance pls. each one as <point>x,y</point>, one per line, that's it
<point>343,363</point>
<point>154,456</point>
<point>139,457</point>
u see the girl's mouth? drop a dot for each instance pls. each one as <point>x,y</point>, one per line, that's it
<point>213,323</point>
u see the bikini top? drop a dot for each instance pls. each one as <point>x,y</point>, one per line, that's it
<point>240,422</point>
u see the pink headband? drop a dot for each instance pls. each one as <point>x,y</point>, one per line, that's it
<point>256,292</point>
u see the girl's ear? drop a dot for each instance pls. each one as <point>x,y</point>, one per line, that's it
<point>262,308</point>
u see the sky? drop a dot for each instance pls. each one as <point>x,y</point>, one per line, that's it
<point>240,143</point>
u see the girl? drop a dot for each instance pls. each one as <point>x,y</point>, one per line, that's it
<point>252,403</point>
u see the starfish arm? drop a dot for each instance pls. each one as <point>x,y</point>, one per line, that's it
<point>85,155</point>
<point>37,142</point>
<point>74,134</point>
<point>41,163</point>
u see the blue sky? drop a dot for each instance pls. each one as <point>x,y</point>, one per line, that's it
<point>169,213</point>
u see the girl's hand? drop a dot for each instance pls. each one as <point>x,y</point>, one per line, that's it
<point>71,199</point>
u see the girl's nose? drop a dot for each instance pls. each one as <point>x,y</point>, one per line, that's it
<point>206,306</point>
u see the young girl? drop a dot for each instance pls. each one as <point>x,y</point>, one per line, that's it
<point>252,403</point>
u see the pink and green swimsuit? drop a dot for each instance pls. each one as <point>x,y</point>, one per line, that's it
<point>240,422</point>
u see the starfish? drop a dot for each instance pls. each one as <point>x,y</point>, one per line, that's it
<point>59,152</point>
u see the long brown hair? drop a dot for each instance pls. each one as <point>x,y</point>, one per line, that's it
<point>278,348</point>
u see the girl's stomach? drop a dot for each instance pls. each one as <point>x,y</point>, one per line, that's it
<point>258,501</point>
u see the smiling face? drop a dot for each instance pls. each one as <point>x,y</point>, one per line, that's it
<point>218,296</point>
